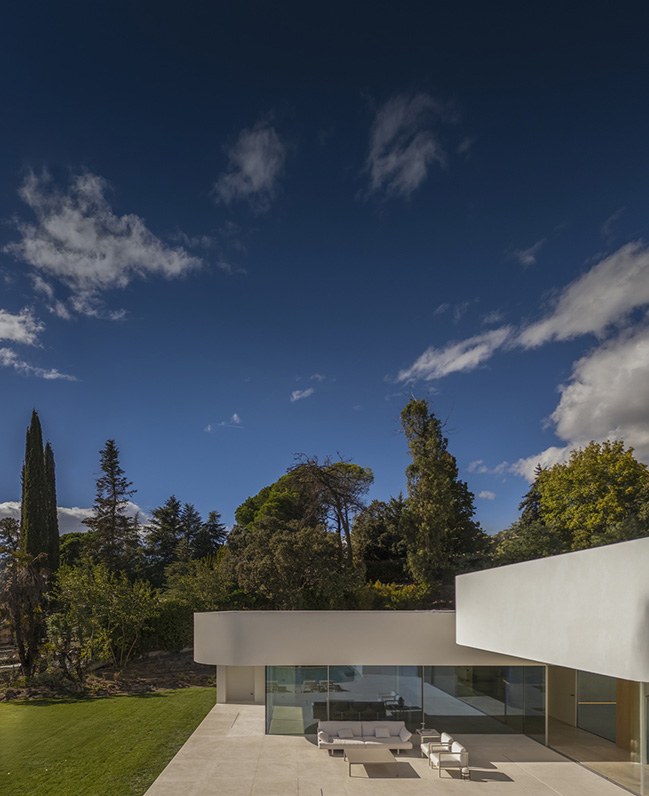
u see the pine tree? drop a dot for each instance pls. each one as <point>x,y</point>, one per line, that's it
<point>33,516</point>
<point>114,532</point>
<point>191,523</point>
<point>211,536</point>
<point>51,515</point>
<point>163,536</point>
<point>443,538</point>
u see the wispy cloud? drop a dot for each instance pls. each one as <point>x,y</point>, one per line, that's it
<point>608,232</point>
<point>602,297</point>
<point>479,466</point>
<point>9,359</point>
<point>486,495</point>
<point>527,257</point>
<point>81,242</point>
<point>298,395</point>
<point>255,164</point>
<point>233,422</point>
<point>456,357</point>
<point>403,145</point>
<point>317,377</point>
<point>21,328</point>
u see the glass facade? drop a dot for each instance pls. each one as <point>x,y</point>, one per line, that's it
<point>597,704</point>
<point>471,699</point>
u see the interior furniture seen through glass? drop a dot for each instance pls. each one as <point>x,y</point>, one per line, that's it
<point>471,699</point>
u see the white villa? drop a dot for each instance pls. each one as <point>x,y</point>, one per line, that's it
<point>556,649</point>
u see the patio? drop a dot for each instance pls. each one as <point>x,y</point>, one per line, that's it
<point>229,755</point>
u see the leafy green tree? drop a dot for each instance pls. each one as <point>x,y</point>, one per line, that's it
<point>280,501</point>
<point>74,546</point>
<point>443,538</point>
<point>600,495</point>
<point>211,536</point>
<point>115,536</point>
<point>103,616</point>
<point>164,534</point>
<point>205,584</point>
<point>291,566</point>
<point>379,538</point>
<point>332,494</point>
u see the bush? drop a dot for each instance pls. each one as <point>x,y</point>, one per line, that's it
<point>171,628</point>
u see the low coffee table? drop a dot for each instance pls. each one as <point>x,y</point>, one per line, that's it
<point>370,755</point>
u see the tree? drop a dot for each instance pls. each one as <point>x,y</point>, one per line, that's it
<point>163,536</point>
<point>332,493</point>
<point>9,539</point>
<point>115,534</point>
<point>191,523</point>
<point>51,514</point>
<point>22,596</point>
<point>33,512</point>
<point>292,566</point>
<point>600,495</point>
<point>39,526</point>
<point>211,537</point>
<point>379,540</point>
<point>443,538</point>
<point>103,616</point>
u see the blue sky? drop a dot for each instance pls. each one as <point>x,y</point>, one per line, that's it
<point>231,235</point>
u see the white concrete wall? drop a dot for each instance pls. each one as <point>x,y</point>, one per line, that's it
<point>312,638</point>
<point>584,610</point>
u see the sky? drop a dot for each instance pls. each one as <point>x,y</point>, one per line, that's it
<point>230,235</point>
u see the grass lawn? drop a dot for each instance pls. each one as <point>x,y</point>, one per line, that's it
<point>115,746</point>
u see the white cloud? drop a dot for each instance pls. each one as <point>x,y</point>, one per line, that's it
<point>479,466</point>
<point>20,328</point>
<point>78,240</point>
<point>208,428</point>
<point>70,519</point>
<point>458,357</point>
<point>602,297</point>
<point>298,395</point>
<point>548,458</point>
<point>402,144</point>
<point>256,162</point>
<point>9,359</point>
<point>317,377</point>
<point>235,419</point>
<point>527,257</point>
<point>606,398</point>
<point>495,316</point>
<point>486,495</point>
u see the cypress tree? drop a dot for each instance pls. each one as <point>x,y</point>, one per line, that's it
<point>52,519</point>
<point>33,514</point>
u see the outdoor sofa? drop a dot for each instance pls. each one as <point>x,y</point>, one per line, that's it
<point>348,734</point>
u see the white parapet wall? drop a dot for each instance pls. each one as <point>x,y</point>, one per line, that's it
<point>585,610</point>
<point>316,638</point>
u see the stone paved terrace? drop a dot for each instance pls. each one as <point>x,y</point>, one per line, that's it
<point>229,755</point>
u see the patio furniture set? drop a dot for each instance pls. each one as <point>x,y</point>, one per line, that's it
<point>372,742</point>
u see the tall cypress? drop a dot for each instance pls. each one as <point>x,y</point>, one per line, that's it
<point>33,514</point>
<point>52,520</point>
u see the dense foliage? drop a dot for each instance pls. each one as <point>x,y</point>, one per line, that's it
<point>307,541</point>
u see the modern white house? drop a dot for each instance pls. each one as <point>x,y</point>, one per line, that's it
<point>556,649</point>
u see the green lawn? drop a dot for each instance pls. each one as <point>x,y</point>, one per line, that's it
<point>115,746</point>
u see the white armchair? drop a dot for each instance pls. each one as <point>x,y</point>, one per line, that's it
<point>456,757</point>
<point>443,745</point>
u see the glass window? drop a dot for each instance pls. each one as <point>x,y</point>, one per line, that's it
<point>596,704</point>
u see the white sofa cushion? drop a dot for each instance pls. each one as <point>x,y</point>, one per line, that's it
<point>381,732</point>
<point>404,734</point>
<point>345,732</point>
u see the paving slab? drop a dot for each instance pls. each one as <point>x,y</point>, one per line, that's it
<point>229,755</point>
